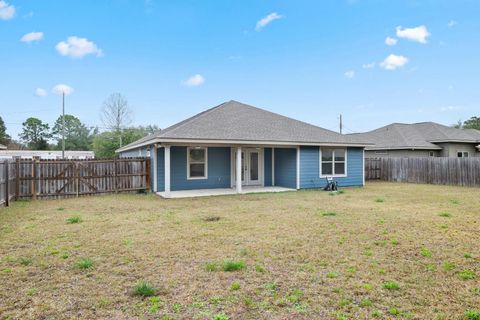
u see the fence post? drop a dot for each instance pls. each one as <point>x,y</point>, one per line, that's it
<point>147,172</point>
<point>34,178</point>
<point>77,173</point>
<point>17,179</point>
<point>7,178</point>
<point>115,175</point>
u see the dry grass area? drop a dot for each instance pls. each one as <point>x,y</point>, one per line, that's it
<point>384,251</point>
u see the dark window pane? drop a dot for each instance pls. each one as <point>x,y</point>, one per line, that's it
<point>197,155</point>
<point>254,166</point>
<point>326,155</point>
<point>339,155</point>
<point>197,170</point>
<point>326,168</point>
<point>339,168</point>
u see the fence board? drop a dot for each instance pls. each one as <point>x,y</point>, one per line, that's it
<point>446,171</point>
<point>47,179</point>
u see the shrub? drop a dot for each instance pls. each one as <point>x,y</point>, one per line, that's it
<point>472,315</point>
<point>75,219</point>
<point>84,263</point>
<point>391,285</point>
<point>467,275</point>
<point>144,289</point>
<point>231,265</point>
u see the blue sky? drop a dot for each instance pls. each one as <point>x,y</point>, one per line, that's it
<point>311,60</point>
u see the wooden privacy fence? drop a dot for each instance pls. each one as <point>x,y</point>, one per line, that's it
<point>34,179</point>
<point>451,171</point>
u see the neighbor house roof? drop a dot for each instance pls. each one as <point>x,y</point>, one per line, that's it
<point>45,154</point>
<point>2,147</point>
<point>421,135</point>
<point>235,122</point>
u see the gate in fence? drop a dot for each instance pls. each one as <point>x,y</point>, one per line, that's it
<point>33,179</point>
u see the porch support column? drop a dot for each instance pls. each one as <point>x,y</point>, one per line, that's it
<point>167,171</point>
<point>273,167</point>
<point>298,168</point>
<point>155,164</point>
<point>238,163</point>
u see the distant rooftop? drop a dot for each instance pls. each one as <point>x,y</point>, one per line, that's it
<point>2,147</point>
<point>45,154</point>
<point>422,135</point>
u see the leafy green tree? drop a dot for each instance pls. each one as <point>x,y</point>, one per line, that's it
<point>4,137</point>
<point>472,123</point>
<point>77,135</point>
<point>105,144</point>
<point>35,134</point>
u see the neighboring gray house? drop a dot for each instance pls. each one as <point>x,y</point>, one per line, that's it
<point>234,147</point>
<point>45,154</point>
<point>2,147</point>
<point>424,139</point>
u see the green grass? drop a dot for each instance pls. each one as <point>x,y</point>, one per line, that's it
<point>232,265</point>
<point>472,314</point>
<point>444,214</point>
<point>84,263</point>
<point>391,285</point>
<point>75,219</point>
<point>329,214</point>
<point>285,250</point>
<point>144,289</point>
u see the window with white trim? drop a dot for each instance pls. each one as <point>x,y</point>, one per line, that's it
<point>197,163</point>
<point>333,162</point>
<point>462,154</point>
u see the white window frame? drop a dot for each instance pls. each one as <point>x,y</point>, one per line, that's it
<point>333,163</point>
<point>463,154</point>
<point>431,154</point>
<point>188,163</point>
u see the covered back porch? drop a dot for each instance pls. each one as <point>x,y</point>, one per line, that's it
<point>204,170</point>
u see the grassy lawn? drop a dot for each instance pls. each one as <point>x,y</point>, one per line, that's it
<point>384,251</point>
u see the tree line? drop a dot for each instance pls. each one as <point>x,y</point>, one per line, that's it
<point>116,118</point>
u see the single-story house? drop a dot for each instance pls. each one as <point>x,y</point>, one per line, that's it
<point>45,154</point>
<point>236,148</point>
<point>424,139</point>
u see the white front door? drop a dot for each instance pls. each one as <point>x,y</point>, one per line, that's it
<point>252,169</point>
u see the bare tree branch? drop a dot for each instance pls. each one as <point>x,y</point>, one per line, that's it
<point>116,114</point>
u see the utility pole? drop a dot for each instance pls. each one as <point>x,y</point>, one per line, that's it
<point>63,125</point>
<point>341,124</point>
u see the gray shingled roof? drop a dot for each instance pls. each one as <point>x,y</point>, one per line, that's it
<point>417,136</point>
<point>235,121</point>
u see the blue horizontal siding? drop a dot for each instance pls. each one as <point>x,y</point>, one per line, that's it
<point>286,167</point>
<point>267,166</point>
<point>310,168</point>
<point>160,169</point>
<point>218,169</point>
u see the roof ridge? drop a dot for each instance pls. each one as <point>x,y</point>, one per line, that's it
<point>289,118</point>
<point>188,120</point>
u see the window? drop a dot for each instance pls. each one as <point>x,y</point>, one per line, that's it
<point>431,154</point>
<point>197,163</point>
<point>462,154</point>
<point>332,162</point>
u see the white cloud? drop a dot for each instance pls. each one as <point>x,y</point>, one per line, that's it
<point>368,65</point>
<point>7,11</point>
<point>195,81</point>
<point>266,20</point>
<point>76,47</point>
<point>417,34</point>
<point>349,74</point>
<point>389,41</point>
<point>393,62</point>
<point>32,36</point>
<point>452,23</point>
<point>62,88</point>
<point>39,92</point>
<point>449,108</point>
